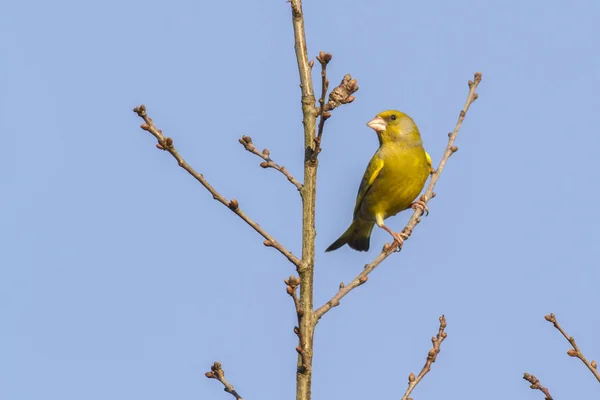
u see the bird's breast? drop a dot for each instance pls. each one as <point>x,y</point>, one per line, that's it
<point>398,184</point>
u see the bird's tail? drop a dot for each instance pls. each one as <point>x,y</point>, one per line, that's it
<point>357,236</point>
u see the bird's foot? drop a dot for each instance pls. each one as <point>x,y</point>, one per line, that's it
<point>398,242</point>
<point>420,204</point>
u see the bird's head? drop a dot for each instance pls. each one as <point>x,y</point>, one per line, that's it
<point>395,126</point>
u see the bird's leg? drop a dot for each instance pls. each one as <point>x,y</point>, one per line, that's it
<point>399,238</point>
<point>420,204</point>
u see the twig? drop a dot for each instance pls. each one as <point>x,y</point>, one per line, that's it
<point>216,372</point>
<point>292,284</point>
<point>535,384</point>
<point>166,143</point>
<point>341,94</point>
<point>323,59</point>
<point>575,351</point>
<point>246,141</point>
<point>416,217</point>
<point>431,357</point>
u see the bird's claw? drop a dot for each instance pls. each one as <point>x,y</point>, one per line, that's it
<point>398,242</point>
<point>391,247</point>
<point>420,205</point>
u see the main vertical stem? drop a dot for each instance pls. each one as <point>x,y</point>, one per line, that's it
<point>309,190</point>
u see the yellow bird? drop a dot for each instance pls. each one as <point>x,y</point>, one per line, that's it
<point>394,178</point>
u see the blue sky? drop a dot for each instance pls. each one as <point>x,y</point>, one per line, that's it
<point>122,278</point>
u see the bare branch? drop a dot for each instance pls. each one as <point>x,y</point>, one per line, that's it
<point>416,217</point>
<point>431,357</point>
<point>535,384</point>
<point>292,284</point>
<point>323,59</point>
<point>575,351</point>
<point>341,94</point>
<point>216,372</point>
<point>309,189</point>
<point>246,141</point>
<point>165,143</point>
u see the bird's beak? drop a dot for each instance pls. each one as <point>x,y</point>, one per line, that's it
<point>377,124</point>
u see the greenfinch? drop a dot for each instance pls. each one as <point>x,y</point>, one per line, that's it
<point>394,178</point>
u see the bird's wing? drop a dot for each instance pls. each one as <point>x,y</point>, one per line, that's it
<point>375,165</point>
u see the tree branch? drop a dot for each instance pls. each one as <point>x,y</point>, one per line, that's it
<point>431,357</point>
<point>341,94</point>
<point>535,384</point>
<point>575,351</point>
<point>165,143</point>
<point>309,191</point>
<point>246,141</point>
<point>323,59</point>
<point>216,372</point>
<point>416,217</point>
<point>292,284</point>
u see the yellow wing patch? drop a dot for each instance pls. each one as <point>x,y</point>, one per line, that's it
<point>431,170</point>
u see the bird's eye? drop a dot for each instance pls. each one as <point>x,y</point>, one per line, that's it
<point>393,117</point>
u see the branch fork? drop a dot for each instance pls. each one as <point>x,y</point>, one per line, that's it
<point>166,144</point>
<point>246,141</point>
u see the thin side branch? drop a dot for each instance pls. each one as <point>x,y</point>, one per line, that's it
<point>416,217</point>
<point>216,372</point>
<point>536,385</point>
<point>165,143</point>
<point>246,141</point>
<point>341,94</point>
<point>575,351</point>
<point>431,357</point>
<point>292,284</point>
<point>323,59</point>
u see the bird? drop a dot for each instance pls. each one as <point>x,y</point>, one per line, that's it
<point>394,178</point>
